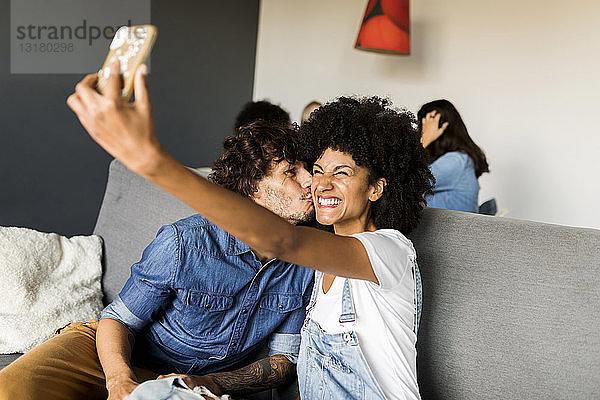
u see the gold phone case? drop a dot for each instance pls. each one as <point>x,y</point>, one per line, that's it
<point>131,45</point>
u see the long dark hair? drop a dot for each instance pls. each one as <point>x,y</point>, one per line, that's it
<point>454,138</point>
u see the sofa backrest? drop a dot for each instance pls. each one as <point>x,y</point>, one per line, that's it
<point>511,308</point>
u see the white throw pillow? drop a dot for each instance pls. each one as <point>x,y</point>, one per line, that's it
<point>46,281</point>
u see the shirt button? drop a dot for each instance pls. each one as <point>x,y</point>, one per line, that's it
<point>233,344</point>
<point>207,306</point>
<point>281,306</point>
<point>244,311</point>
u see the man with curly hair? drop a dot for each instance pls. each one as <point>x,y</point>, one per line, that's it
<point>199,302</point>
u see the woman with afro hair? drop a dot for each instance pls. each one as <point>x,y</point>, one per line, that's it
<point>370,177</point>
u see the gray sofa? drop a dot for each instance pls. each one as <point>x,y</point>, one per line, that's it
<point>511,308</point>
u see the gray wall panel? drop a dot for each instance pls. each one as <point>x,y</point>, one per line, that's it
<point>52,176</point>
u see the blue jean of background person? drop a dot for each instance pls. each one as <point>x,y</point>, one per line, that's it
<point>456,186</point>
<point>332,366</point>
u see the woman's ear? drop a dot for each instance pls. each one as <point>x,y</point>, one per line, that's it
<point>377,189</point>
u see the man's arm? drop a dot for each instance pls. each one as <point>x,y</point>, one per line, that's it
<point>114,342</point>
<point>145,292</point>
<point>270,372</point>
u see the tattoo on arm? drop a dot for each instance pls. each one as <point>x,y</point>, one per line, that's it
<point>264,374</point>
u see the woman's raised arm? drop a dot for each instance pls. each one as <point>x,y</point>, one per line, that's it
<point>126,131</point>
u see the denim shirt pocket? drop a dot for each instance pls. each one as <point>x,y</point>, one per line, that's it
<point>204,313</point>
<point>281,302</point>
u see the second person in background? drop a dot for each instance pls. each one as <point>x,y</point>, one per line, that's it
<point>456,161</point>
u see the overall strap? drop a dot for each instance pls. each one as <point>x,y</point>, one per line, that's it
<point>313,296</point>
<point>348,314</point>
<point>418,296</point>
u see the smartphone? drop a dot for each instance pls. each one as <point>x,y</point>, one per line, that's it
<point>131,45</point>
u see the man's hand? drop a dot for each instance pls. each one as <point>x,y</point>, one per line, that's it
<point>431,129</point>
<point>125,130</point>
<point>197,380</point>
<point>119,388</point>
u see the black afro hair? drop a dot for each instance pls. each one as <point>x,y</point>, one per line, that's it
<point>385,141</point>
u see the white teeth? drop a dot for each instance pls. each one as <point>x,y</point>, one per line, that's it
<point>329,202</point>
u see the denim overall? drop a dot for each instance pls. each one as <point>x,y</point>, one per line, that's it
<point>332,366</point>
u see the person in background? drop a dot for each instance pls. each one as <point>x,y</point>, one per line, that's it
<point>310,107</point>
<point>262,110</point>
<point>456,161</point>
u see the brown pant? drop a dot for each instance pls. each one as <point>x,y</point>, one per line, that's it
<point>63,367</point>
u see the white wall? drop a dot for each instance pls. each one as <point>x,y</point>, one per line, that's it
<point>523,74</point>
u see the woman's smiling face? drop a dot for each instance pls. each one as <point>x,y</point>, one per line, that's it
<point>342,194</point>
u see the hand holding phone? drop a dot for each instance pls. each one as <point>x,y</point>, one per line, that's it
<point>131,45</point>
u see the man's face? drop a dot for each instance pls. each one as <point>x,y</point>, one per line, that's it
<point>286,192</point>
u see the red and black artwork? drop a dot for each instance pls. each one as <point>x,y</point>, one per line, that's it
<point>385,27</point>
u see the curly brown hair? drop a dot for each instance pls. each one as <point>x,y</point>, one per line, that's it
<point>249,155</point>
<point>386,142</point>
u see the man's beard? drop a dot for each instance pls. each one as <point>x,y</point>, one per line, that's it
<point>305,218</point>
<point>279,203</point>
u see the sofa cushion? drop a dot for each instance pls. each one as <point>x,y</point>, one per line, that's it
<point>511,308</point>
<point>48,280</point>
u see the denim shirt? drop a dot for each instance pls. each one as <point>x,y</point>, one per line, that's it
<point>456,186</point>
<point>200,301</point>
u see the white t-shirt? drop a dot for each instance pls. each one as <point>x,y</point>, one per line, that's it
<point>385,313</point>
